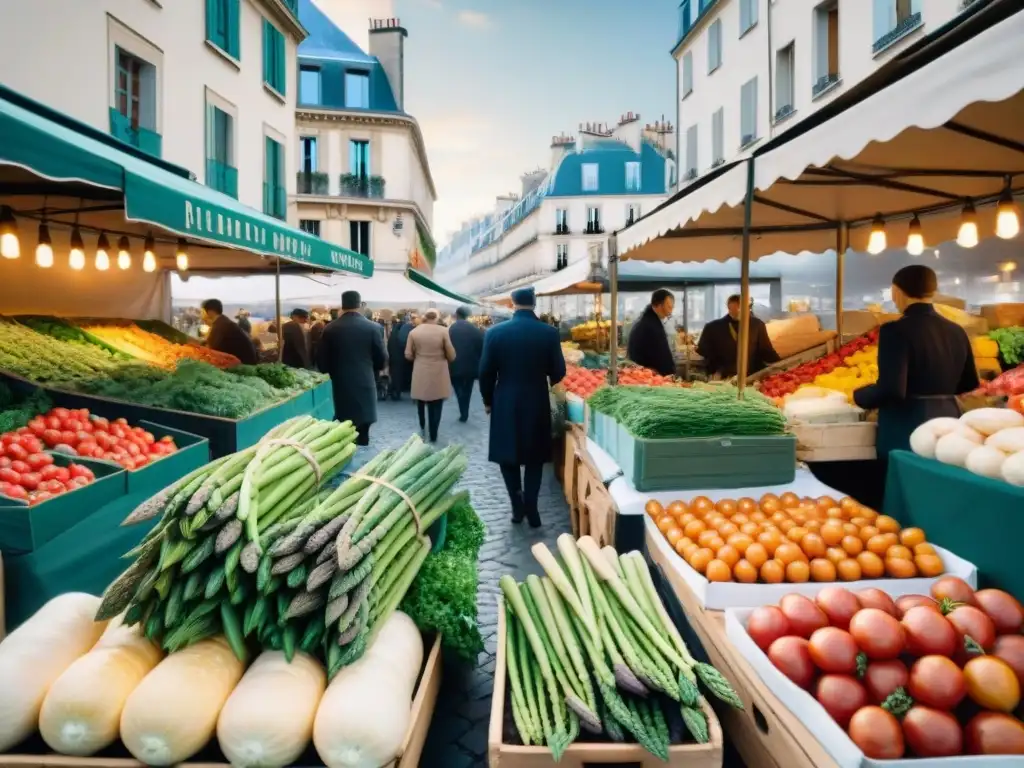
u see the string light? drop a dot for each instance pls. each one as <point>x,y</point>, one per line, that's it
<point>148,259</point>
<point>915,240</point>
<point>124,258</point>
<point>1007,216</point>
<point>102,257</point>
<point>967,237</point>
<point>76,258</point>
<point>44,249</point>
<point>10,246</point>
<point>181,257</point>
<point>877,241</point>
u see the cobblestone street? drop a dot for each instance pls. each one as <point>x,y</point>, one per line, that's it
<point>458,735</point>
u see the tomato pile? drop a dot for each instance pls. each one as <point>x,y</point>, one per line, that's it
<point>29,474</point>
<point>787,382</point>
<point>789,539</point>
<point>585,381</point>
<point>925,675</point>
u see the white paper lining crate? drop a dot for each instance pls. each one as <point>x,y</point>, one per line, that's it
<point>835,442</point>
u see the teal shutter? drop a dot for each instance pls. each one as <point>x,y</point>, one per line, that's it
<point>211,20</point>
<point>234,41</point>
<point>280,68</point>
<point>266,52</point>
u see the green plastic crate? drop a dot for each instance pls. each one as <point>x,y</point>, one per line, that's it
<point>24,528</point>
<point>705,463</point>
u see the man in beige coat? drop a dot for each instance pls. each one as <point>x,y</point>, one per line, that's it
<point>430,350</point>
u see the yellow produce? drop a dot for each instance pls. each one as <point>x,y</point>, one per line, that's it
<point>987,365</point>
<point>860,369</point>
<point>984,347</point>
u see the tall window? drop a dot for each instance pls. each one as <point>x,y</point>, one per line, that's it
<point>718,137</point>
<point>309,154</point>
<point>359,237</point>
<point>222,25</point>
<point>136,90</point>
<point>785,59</point>
<point>691,153</point>
<point>220,151</point>
<point>593,220</point>
<point>748,14</point>
<point>310,226</point>
<point>714,45</point>
<point>632,177</point>
<point>589,177</point>
<point>561,255</point>
<point>359,158</point>
<point>687,87</point>
<point>309,179</point>
<point>893,19</point>
<point>826,46</point>
<point>309,85</point>
<point>561,221</point>
<point>273,57</point>
<point>748,112</point>
<point>357,90</point>
<point>274,197</point>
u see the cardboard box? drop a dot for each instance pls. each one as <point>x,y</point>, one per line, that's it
<point>722,595</point>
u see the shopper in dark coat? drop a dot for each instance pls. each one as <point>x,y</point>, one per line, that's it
<point>396,358</point>
<point>648,343</point>
<point>719,343</point>
<point>225,335</point>
<point>405,382</point>
<point>352,352</point>
<point>295,350</point>
<point>521,360</point>
<point>924,361</point>
<point>468,341</point>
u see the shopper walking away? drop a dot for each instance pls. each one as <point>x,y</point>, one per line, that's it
<point>405,384</point>
<point>352,352</point>
<point>468,341</point>
<point>648,341</point>
<point>316,330</point>
<point>430,351</point>
<point>719,343</point>
<point>521,361</point>
<point>225,335</point>
<point>295,340</point>
<point>396,357</point>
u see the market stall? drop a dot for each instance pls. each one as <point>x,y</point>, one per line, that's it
<point>396,290</point>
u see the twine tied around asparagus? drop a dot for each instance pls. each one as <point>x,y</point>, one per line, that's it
<point>402,494</point>
<point>266,445</point>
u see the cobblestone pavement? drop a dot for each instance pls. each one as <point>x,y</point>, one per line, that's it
<point>458,735</point>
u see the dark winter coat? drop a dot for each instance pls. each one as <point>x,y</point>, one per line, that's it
<point>648,344</point>
<point>405,378</point>
<point>295,348</point>
<point>521,360</point>
<point>719,344</point>
<point>225,336</point>
<point>468,341</point>
<point>924,361</point>
<point>352,352</point>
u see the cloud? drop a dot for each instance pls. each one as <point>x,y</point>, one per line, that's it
<point>474,19</point>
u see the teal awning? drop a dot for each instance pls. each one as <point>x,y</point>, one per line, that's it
<point>57,148</point>
<point>421,279</point>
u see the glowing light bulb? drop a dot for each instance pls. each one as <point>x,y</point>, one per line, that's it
<point>102,257</point>
<point>967,237</point>
<point>10,246</point>
<point>877,241</point>
<point>181,257</point>
<point>44,250</point>
<point>915,240</point>
<point>1007,217</point>
<point>76,258</point>
<point>124,258</point>
<point>148,259</point>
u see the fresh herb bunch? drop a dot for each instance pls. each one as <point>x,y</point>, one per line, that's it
<point>1011,344</point>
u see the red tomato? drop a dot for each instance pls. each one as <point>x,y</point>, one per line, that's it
<point>17,451</point>
<point>15,492</point>
<point>127,462</point>
<point>122,421</point>
<point>52,422</point>
<point>31,480</point>
<point>69,438</point>
<point>38,426</point>
<point>39,497</point>
<point>63,474</point>
<point>973,623</point>
<point>49,472</point>
<point>803,615</point>
<point>953,588</point>
<point>883,677</point>
<point>1003,608</point>
<point>133,449</point>
<point>141,460</point>
<point>1010,648</point>
<point>878,634</point>
<point>99,423</point>
<point>928,632</point>
<point>51,437</point>
<point>39,460</point>
<point>841,696</point>
<point>932,733</point>
<point>936,681</point>
<point>30,443</point>
<point>877,733</point>
<point>60,413</point>
<point>791,657</point>
<point>839,605</point>
<point>21,467</point>
<point>86,448</point>
<point>766,625</point>
<point>993,733</point>
<point>167,439</point>
<point>834,651</point>
<point>8,475</point>
<point>80,470</point>
<point>118,431</point>
<point>56,487</point>
<point>876,598</point>
<point>5,461</point>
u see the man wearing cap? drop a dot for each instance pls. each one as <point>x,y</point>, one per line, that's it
<point>468,341</point>
<point>352,352</point>
<point>521,361</point>
<point>295,341</point>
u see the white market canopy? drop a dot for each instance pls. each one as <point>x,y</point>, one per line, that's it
<point>942,125</point>
<point>393,290</point>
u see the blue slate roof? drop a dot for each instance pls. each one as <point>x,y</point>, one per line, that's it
<point>611,156</point>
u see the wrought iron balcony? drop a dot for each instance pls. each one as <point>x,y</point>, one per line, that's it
<point>717,162</point>
<point>562,229</point>
<point>690,175</point>
<point>222,177</point>
<point>594,229</point>
<point>824,82</point>
<point>913,21</point>
<point>355,185</point>
<point>312,183</point>
<point>783,112</point>
<point>121,128</point>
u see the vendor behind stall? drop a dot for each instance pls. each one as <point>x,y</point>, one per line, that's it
<point>296,351</point>
<point>648,340</point>
<point>225,335</point>
<point>719,343</point>
<point>924,361</point>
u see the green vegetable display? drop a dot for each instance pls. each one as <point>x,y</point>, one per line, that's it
<point>16,412</point>
<point>1011,344</point>
<point>592,646</point>
<point>45,359</point>
<point>698,411</point>
<point>281,376</point>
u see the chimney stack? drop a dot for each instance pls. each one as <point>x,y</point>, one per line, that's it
<point>387,45</point>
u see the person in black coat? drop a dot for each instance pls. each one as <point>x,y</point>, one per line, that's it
<point>295,351</point>
<point>648,342</point>
<point>924,361</point>
<point>352,352</point>
<point>719,343</point>
<point>225,335</point>
<point>521,360</point>
<point>468,341</point>
<point>405,381</point>
<point>396,358</point>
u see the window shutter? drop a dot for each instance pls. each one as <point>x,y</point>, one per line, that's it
<point>211,20</point>
<point>279,62</point>
<point>234,42</point>
<point>209,133</point>
<point>266,52</point>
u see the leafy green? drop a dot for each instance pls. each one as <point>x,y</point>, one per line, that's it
<point>16,412</point>
<point>1011,344</point>
<point>281,376</point>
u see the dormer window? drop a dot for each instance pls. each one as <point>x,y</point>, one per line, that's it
<point>589,180</point>
<point>633,177</point>
<point>309,85</point>
<point>357,89</point>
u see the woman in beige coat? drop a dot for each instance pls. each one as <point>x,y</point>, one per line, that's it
<point>430,350</point>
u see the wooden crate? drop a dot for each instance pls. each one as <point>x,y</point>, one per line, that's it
<point>594,512</point>
<point>423,703</point>
<point>765,733</point>
<point>835,442</point>
<point>582,755</point>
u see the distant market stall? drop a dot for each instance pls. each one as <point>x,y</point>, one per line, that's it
<point>405,289</point>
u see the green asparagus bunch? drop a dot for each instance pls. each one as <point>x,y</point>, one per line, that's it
<point>591,645</point>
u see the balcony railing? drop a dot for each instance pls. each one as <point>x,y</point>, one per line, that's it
<point>561,229</point>
<point>783,112</point>
<point>311,183</point>
<point>913,21</point>
<point>717,162</point>
<point>275,200</point>
<point>354,185</point>
<point>222,177</point>
<point>594,229</point>
<point>141,138</point>
<point>824,82</point>
<point>690,175</point>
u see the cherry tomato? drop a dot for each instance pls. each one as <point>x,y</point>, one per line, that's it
<point>841,696</point>
<point>932,733</point>
<point>791,657</point>
<point>834,650</point>
<point>72,425</point>
<point>994,733</point>
<point>1003,608</point>
<point>839,605</point>
<point>953,588</point>
<point>877,733</point>
<point>928,632</point>
<point>881,678</point>
<point>133,449</point>
<point>86,448</point>
<point>876,598</point>
<point>936,681</point>
<point>766,625</point>
<point>878,634</point>
<point>992,683</point>
<point>127,462</point>
<point>99,423</point>
<point>973,623</point>
<point>803,615</point>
